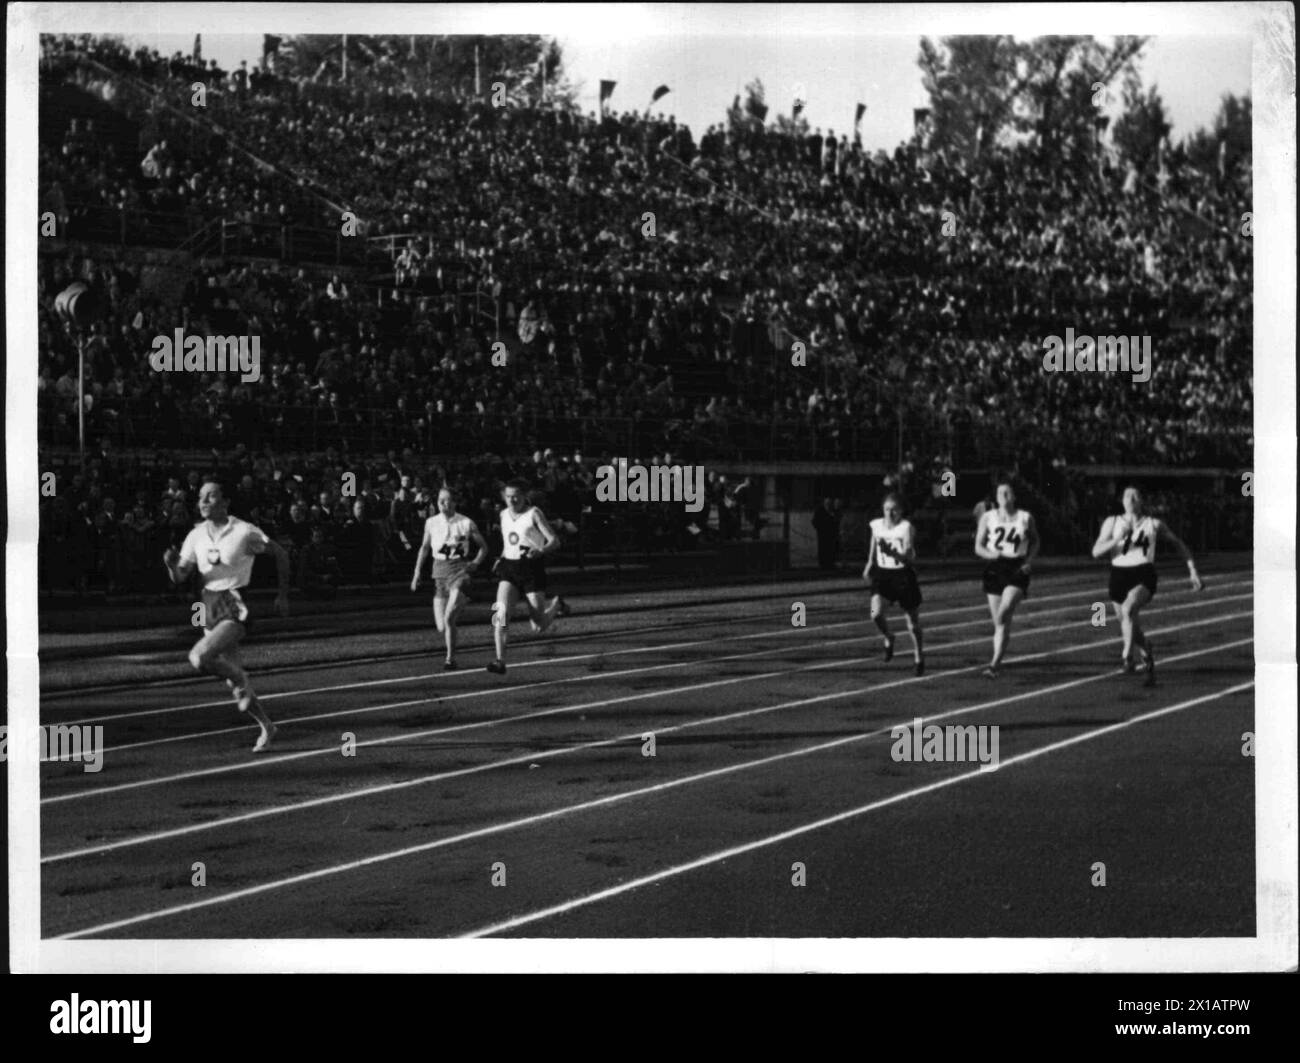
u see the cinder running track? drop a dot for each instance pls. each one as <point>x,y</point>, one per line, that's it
<point>772,763</point>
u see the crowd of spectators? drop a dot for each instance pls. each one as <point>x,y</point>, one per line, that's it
<point>346,522</point>
<point>922,284</point>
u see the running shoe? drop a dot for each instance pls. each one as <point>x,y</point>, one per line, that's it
<point>264,739</point>
<point>1149,662</point>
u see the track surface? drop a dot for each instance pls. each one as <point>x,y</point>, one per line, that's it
<point>772,749</point>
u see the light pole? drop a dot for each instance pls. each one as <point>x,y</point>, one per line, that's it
<point>78,305</point>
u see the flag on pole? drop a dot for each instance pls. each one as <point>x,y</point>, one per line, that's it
<point>606,91</point>
<point>857,117</point>
<point>659,93</point>
<point>198,46</point>
<point>798,107</point>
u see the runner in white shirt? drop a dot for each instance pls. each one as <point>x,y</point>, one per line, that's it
<point>1007,538</point>
<point>448,535</point>
<point>1130,541</point>
<point>526,540</point>
<point>223,549</point>
<point>891,577</point>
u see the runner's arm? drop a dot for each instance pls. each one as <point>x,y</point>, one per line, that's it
<point>1163,529</point>
<point>420,558</point>
<point>180,563</point>
<point>1035,543</point>
<point>982,549</point>
<point>552,540</point>
<point>1107,540</point>
<point>261,543</point>
<point>283,567</point>
<point>476,537</point>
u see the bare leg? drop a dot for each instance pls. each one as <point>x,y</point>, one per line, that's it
<point>455,602</point>
<point>507,599</point>
<point>1128,620</point>
<point>1002,615</point>
<point>211,653</point>
<point>995,605</point>
<point>914,628</point>
<point>1126,629</point>
<point>440,622</point>
<point>540,614</point>
<point>218,652</point>
<point>882,623</point>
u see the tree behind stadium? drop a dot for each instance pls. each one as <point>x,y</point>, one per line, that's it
<point>988,89</point>
<point>529,65</point>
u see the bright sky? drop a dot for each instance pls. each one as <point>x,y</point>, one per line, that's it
<point>838,54</point>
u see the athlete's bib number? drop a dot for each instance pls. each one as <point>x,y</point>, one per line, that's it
<point>451,551</point>
<point>524,549</point>
<point>1140,543</point>
<point>1009,536</point>
<point>884,557</point>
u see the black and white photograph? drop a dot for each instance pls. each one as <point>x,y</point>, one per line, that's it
<point>719,488</point>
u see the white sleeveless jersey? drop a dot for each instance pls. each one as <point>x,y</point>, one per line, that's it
<point>1008,536</point>
<point>899,537</point>
<point>449,539</point>
<point>1141,546</point>
<point>520,535</point>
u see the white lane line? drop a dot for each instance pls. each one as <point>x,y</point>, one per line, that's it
<point>194,736</point>
<point>656,788</point>
<point>841,817</point>
<point>534,756</point>
<point>807,591</point>
<point>225,702</point>
<point>334,749</point>
<point>415,655</point>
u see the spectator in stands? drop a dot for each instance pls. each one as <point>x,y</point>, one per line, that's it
<point>319,574</point>
<point>826,523</point>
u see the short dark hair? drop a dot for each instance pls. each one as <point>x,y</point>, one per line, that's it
<point>518,484</point>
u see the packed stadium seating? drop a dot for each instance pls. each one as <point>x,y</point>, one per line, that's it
<point>480,223</point>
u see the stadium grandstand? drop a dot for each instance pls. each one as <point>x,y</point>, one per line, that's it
<point>384,238</point>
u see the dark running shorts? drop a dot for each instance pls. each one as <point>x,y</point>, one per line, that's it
<point>1003,573</point>
<point>897,585</point>
<point>1124,578</point>
<point>528,576</point>
<point>225,605</point>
